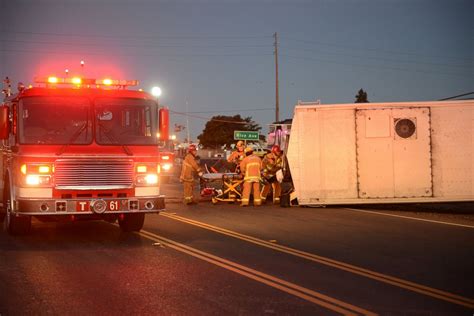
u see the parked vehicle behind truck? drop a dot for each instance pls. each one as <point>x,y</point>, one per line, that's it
<point>76,148</point>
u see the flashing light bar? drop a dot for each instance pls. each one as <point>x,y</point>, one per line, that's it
<point>84,81</point>
<point>76,80</point>
<point>107,82</point>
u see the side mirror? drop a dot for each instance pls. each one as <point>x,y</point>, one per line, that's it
<point>4,122</point>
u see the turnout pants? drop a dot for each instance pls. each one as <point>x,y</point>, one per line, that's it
<point>276,186</point>
<point>248,187</point>
<point>188,188</point>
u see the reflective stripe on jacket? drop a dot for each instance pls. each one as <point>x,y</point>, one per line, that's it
<point>271,164</point>
<point>250,167</point>
<point>236,156</point>
<point>189,165</point>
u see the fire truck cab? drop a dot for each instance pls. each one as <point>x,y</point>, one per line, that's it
<point>75,149</point>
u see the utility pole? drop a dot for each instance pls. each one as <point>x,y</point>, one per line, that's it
<point>277,101</point>
<point>187,122</point>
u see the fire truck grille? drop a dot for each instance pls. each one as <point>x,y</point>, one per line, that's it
<point>93,173</point>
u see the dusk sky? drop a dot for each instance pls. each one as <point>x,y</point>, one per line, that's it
<point>217,56</point>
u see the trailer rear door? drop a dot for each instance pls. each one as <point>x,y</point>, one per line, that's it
<point>394,152</point>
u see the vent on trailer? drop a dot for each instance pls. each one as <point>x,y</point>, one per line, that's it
<point>405,127</point>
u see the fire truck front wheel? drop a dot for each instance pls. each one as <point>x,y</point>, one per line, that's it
<point>14,224</point>
<point>3,209</point>
<point>17,225</point>
<point>132,222</point>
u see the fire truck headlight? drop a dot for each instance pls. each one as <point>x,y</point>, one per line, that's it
<point>151,179</point>
<point>147,179</point>
<point>166,166</point>
<point>37,174</point>
<point>146,174</point>
<point>37,180</point>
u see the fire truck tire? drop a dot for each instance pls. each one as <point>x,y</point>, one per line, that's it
<point>132,222</point>
<point>17,225</point>
<point>3,209</point>
<point>14,225</point>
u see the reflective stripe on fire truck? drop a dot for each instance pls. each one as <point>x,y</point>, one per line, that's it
<point>147,191</point>
<point>34,192</point>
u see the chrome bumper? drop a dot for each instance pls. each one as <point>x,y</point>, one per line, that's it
<point>38,207</point>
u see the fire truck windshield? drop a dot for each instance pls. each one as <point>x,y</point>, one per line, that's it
<point>55,120</point>
<point>70,121</point>
<point>125,121</point>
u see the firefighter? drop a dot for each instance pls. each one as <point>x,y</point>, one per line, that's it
<point>189,167</point>
<point>250,167</point>
<point>236,156</point>
<point>272,162</point>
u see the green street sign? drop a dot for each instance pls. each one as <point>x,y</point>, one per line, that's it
<point>246,135</point>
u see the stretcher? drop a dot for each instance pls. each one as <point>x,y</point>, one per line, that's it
<point>222,187</point>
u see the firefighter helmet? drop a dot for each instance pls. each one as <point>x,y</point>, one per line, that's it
<point>192,148</point>
<point>276,149</point>
<point>240,144</point>
<point>248,151</point>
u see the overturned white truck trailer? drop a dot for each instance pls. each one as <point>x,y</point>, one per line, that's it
<point>382,152</point>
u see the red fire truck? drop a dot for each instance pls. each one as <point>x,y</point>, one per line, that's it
<point>76,148</point>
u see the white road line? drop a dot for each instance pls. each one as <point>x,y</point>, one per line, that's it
<point>408,217</point>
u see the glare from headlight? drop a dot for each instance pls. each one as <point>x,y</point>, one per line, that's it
<point>151,178</point>
<point>32,179</point>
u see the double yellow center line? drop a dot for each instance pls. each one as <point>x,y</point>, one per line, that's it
<point>439,294</point>
<point>288,287</point>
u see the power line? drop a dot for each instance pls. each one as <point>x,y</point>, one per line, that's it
<point>211,119</point>
<point>30,51</point>
<point>373,49</point>
<point>376,67</point>
<point>234,111</point>
<point>141,45</point>
<point>230,37</point>
<point>456,96</point>
<point>382,58</point>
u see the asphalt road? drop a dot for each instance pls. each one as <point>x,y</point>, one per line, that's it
<point>226,260</point>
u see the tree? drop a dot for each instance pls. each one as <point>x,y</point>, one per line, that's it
<point>219,130</point>
<point>361,97</point>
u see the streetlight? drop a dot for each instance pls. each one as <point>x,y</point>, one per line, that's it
<point>156,92</point>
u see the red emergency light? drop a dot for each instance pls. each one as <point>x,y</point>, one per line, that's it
<point>77,81</point>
